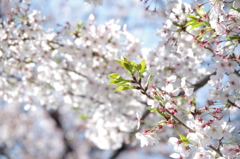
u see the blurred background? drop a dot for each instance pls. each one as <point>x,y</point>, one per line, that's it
<point>28,132</point>
<point>57,134</point>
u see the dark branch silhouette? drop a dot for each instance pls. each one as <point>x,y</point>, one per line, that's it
<point>56,117</point>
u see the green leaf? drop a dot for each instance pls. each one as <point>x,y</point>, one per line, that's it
<point>151,109</point>
<point>125,84</point>
<point>121,88</point>
<point>124,58</point>
<point>191,22</point>
<point>119,61</point>
<point>127,65</point>
<point>156,110</point>
<point>159,112</point>
<point>79,25</point>
<point>133,64</point>
<point>140,75</point>
<point>117,79</point>
<point>83,116</point>
<point>192,17</point>
<point>208,24</point>
<point>132,87</point>
<point>119,82</point>
<point>176,24</point>
<point>129,62</point>
<point>200,36</point>
<point>196,25</point>
<point>76,108</point>
<point>113,75</point>
<point>143,66</point>
<point>167,68</point>
<point>236,9</point>
<point>184,139</point>
<point>193,102</point>
<point>233,37</point>
<point>149,80</point>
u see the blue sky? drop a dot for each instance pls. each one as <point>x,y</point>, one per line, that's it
<point>128,12</point>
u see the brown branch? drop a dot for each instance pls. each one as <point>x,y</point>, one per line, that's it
<point>191,130</point>
<point>179,121</point>
<point>202,81</point>
<point>216,150</point>
<point>199,84</point>
<point>233,104</point>
<point>78,73</point>
<point>237,73</point>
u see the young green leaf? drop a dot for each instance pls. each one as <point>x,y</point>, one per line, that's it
<point>191,22</point>
<point>196,25</point>
<point>151,109</point>
<point>149,80</point>
<point>143,66</point>
<point>79,25</point>
<point>119,82</point>
<point>233,37</point>
<point>121,88</point>
<point>192,17</point>
<point>113,75</point>
<point>127,65</point>
<point>161,113</point>
<point>83,116</point>
<point>176,24</point>
<point>184,139</point>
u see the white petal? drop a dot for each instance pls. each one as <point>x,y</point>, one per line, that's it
<point>188,91</point>
<point>183,81</point>
<point>176,92</point>
<point>175,155</point>
<point>169,88</point>
<point>173,140</point>
<point>171,78</point>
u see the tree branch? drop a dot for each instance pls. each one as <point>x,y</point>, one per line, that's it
<point>202,81</point>
<point>125,146</point>
<point>197,85</point>
<point>54,114</point>
<point>3,152</point>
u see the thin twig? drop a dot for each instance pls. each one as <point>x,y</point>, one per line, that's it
<point>181,123</point>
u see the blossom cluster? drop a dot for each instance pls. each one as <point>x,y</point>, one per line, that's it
<point>190,39</point>
<point>67,68</point>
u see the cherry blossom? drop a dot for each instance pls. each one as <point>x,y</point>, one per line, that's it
<point>47,73</point>
<point>148,138</point>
